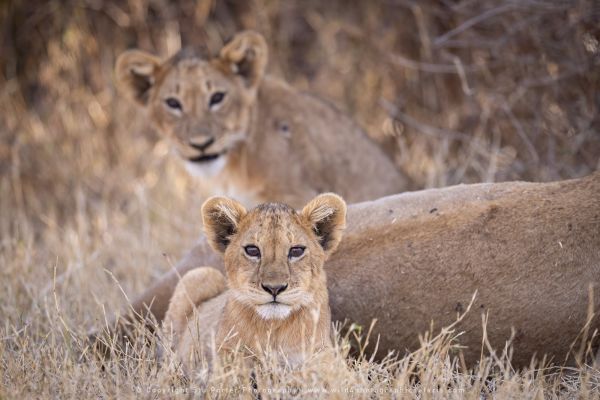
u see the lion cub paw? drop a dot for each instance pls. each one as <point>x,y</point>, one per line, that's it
<point>194,288</point>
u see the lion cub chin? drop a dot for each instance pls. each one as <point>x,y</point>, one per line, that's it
<point>274,292</point>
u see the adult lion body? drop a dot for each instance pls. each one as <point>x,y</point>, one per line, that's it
<point>255,138</point>
<point>530,250</point>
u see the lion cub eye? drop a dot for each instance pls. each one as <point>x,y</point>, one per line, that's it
<point>296,252</point>
<point>216,98</point>
<point>173,104</point>
<point>252,251</point>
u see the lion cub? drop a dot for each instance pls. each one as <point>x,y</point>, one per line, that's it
<point>274,294</point>
<point>245,133</point>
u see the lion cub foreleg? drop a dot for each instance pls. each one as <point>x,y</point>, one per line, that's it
<point>194,288</point>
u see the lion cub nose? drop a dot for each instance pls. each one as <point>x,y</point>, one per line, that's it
<point>201,142</point>
<point>274,289</point>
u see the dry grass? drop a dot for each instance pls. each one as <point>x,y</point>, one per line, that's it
<point>92,208</point>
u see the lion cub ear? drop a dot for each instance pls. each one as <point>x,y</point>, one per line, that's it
<point>135,72</point>
<point>221,217</point>
<point>246,55</point>
<point>327,215</point>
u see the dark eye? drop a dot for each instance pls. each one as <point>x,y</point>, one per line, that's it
<point>216,98</point>
<point>173,103</point>
<point>296,252</point>
<point>252,251</point>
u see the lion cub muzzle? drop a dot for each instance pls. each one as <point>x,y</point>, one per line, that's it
<point>200,149</point>
<point>274,289</point>
<point>204,146</point>
<point>201,142</point>
<point>274,279</point>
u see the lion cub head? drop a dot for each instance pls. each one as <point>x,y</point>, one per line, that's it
<point>273,254</point>
<point>203,103</point>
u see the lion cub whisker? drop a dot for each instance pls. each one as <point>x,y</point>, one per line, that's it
<point>273,296</point>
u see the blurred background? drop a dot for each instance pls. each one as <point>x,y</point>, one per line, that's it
<point>456,91</point>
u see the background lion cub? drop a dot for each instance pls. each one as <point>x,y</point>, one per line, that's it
<point>251,136</point>
<point>276,294</point>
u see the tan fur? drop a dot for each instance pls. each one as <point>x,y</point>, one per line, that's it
<point>273,142</point>
<point>530,250</point>
<point>195,287</point>
<point>244,314</point>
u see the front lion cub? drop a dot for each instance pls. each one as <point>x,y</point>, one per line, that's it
<point>274,294</point>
